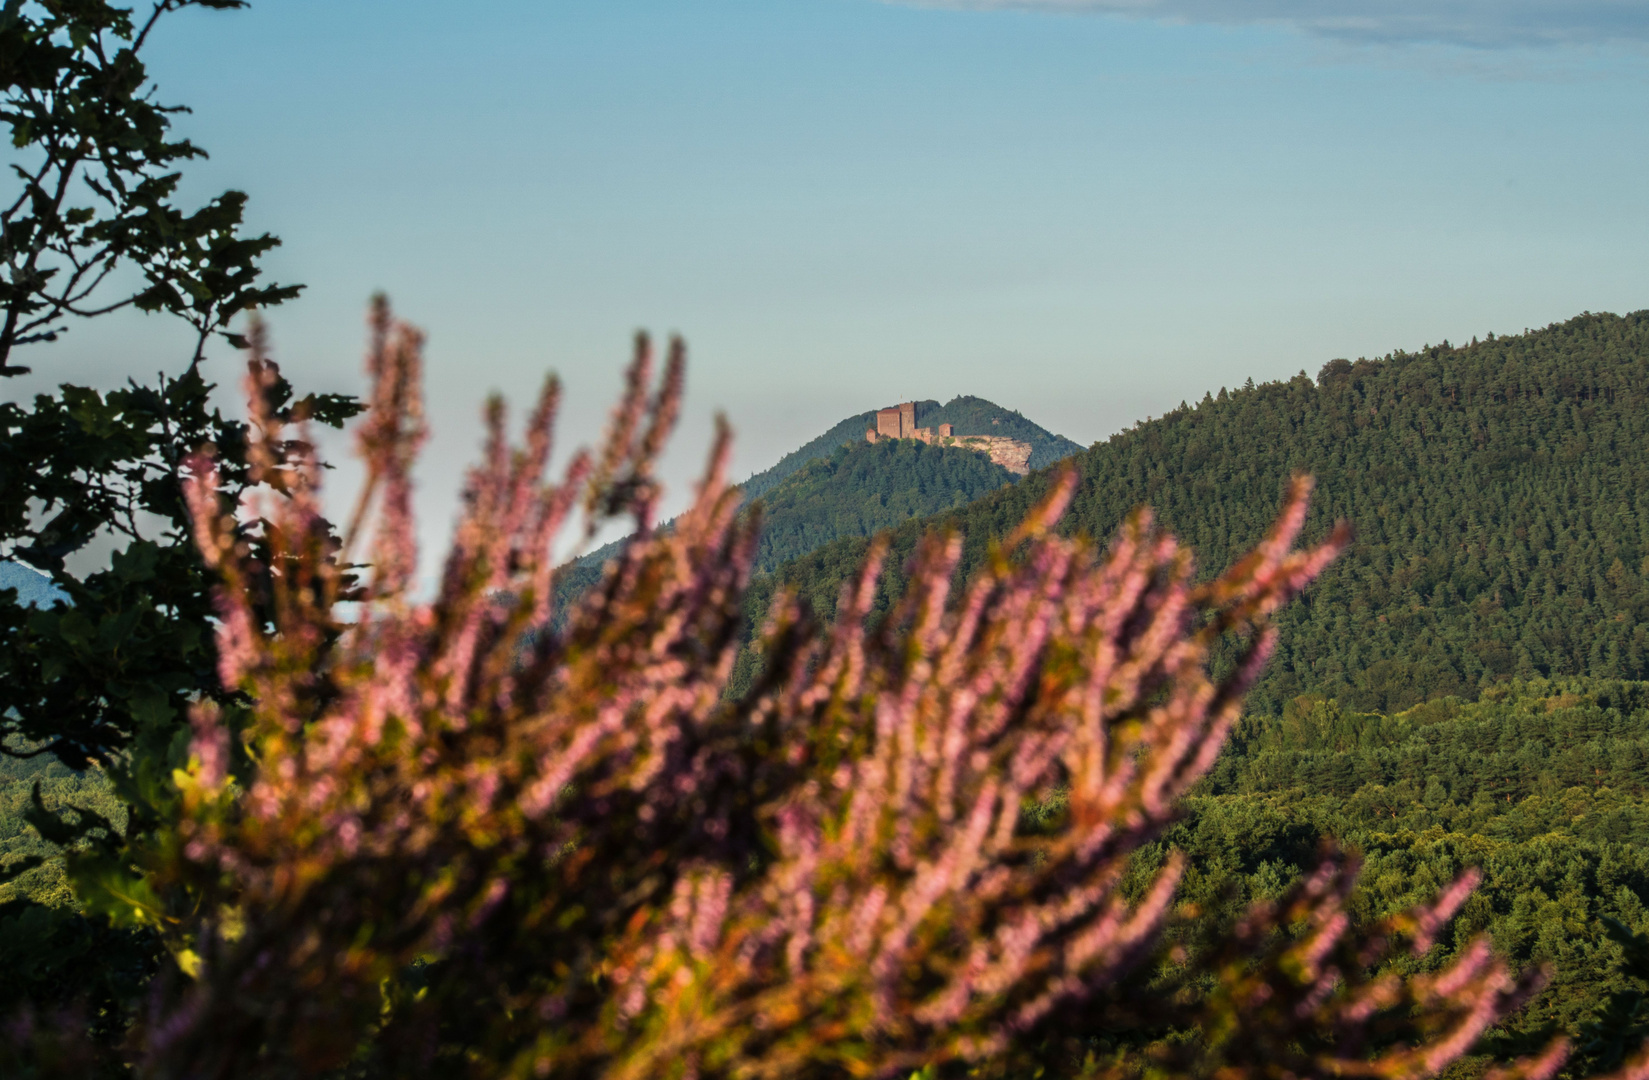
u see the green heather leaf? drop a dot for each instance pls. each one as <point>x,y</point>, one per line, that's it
<point>150,706</point>
<point>110,889</point>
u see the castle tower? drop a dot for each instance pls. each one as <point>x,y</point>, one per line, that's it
<point>907,420</point>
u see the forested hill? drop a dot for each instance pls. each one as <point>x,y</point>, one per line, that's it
<point>969,415</point>
<point>1498,491</point>
<point>848,431</point>
<point>976,416</point>
<point>1541,785</point>
<point>863,488</point>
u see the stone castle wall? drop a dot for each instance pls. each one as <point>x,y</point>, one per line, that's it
<point>899,422</point>
<point>1012,454</point>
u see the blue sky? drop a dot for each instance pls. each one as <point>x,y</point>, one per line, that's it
<point>1087,210</point>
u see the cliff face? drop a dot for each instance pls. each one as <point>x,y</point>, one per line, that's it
<point>1011,454</point>
<point>976,416</point>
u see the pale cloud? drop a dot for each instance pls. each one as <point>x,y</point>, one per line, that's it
<point>1481,23</point>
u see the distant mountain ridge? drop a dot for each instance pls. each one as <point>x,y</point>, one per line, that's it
<point>1499,492</point>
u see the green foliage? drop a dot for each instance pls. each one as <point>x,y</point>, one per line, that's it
<point>1622,1025</point>
<point>101,682</point>
<point>59,789</point>
<point>1498,492</point>
<point>849,431</point>
<point>863,488</point>
<point>98,669</point>
<point>96,170</point>
<point>54,957</point>
<point>59,963</point>
<point>1541,785</point>
<point>116,665</point>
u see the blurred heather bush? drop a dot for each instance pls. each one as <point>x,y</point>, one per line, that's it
<point>438,839</point>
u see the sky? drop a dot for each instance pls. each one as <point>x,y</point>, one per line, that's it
<point>1086,210</point>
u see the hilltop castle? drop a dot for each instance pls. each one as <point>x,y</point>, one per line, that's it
<point>899,422</point>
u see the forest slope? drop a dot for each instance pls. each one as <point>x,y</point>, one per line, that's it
<point>1540,785</point>
<point>863,488</point>
<point>1499,491</point>
<point>804,521</point>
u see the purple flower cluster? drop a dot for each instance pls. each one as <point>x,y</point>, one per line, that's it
<point>480,835</point>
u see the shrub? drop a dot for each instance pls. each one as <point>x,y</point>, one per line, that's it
<point>463,837</point>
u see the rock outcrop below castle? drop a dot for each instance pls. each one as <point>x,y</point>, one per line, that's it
<point>899,422</point>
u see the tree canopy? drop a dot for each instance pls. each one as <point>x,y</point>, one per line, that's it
<point>1541,784</point>
<point>101,659</point>
<point>863,488</point>
<point>1497,491</point>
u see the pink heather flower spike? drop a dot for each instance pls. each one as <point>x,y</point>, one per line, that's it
<point>602,864</point>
